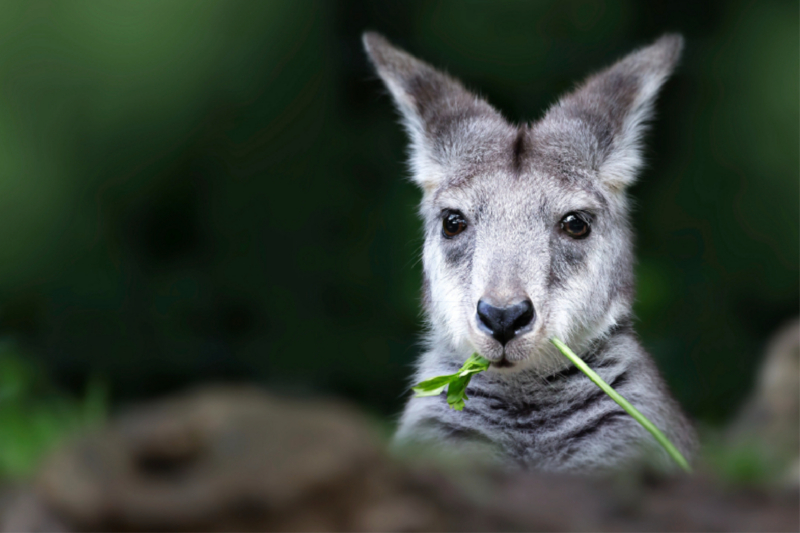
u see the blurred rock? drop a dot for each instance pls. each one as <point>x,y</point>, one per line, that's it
<point>21,509</point>
<point>225,458</point>
<point>770,419</point>
<point>239,459</point>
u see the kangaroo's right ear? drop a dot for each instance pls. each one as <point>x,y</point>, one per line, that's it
<point>434,106</point>
<point>608,114</point>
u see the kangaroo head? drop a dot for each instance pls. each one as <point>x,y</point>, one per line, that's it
<point>526,227</point>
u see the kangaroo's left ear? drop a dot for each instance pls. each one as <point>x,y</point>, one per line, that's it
<point>612,109</point>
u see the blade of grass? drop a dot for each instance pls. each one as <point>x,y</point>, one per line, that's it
<point>630,409</point>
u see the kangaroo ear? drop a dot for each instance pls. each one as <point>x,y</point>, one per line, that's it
<point>435,107</point>
<point>613,108</point>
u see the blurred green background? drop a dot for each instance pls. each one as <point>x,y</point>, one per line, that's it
<point>216,190</point>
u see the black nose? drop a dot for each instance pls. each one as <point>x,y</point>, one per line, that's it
<point>504,323</point>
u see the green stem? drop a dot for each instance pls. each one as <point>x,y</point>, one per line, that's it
<point>631,410</point>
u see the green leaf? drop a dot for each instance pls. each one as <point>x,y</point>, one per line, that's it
<point>422,392</point>
<point>456,390</point>
<point>457,405</point>
<point>456,384</point>
<point>434,383</point>
<point>469,372</point>
<point>476,361</point>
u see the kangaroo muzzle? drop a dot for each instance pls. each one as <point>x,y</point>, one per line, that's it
<point>505,323</point>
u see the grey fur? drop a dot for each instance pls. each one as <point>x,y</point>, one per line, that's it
<point>514,184</point>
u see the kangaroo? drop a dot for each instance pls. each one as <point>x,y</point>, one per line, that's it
<point>527,237</point>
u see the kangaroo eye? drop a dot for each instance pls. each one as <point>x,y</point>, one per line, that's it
<point>575,226</point>
<point>453,223</point>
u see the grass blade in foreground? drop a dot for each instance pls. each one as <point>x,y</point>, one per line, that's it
<point>631,410</point>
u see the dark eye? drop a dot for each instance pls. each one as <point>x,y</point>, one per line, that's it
<point>575,226</point>
<point>453,223</point>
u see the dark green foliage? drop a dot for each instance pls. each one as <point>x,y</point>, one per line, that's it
<point>215,190</point>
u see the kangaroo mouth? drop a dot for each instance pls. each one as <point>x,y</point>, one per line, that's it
<point>503,362</point>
